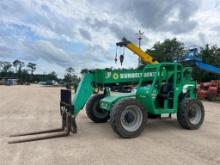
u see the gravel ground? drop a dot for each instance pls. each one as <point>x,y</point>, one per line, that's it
<point>29,108</point>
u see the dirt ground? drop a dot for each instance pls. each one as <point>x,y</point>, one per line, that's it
<point>28,108</point>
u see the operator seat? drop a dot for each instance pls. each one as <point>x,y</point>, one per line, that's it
<point>164,91</point>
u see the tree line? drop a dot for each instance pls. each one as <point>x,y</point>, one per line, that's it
<point>171,49</point>
<point>25,73</point>
<point>18,70</point>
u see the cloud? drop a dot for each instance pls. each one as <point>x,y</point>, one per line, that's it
<point>5,51</point>
<point>170,16</point>
<point>117,30</point>
<point>92,57</point>
<point>83,34</point>
<point>47,51</point>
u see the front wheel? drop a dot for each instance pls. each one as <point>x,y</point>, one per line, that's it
<point>191,114</point>
<point>94,112</point>
<point>128,118</point>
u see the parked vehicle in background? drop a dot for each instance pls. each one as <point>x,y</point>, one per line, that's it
<point>8,81</point>
<point>209,90</point>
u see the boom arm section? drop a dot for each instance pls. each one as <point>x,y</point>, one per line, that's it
<point>104,78</point>
<point>84,91</point>
<point>145,57</point>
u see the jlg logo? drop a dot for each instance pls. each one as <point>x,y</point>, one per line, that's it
<point>108,75</point>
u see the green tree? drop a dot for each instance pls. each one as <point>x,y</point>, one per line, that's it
<point>18,65</point>
<point>6,70</point>
<point>1,65</point>
<point>167,51</point>
<point>70,76</point>
<point>24,76</point>
<point>32,67</point>
<point>211,56</point>
<point>85,70</point>
<point>52,76</point>
<point>6,67</point>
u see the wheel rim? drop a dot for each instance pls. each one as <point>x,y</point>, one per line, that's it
<point>131,118</point>
<point>195,114</point>
<point>98,112</point>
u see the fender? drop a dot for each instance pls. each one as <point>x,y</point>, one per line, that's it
<point>185,87</point>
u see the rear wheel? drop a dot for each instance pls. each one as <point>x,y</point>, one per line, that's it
<point>191,114</point>
<point>128,118</point>
<point>94,112</point>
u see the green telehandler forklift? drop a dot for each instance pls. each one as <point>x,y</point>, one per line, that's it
<point>162,88</point>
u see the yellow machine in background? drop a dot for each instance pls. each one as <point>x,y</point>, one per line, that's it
<point>145,57</point>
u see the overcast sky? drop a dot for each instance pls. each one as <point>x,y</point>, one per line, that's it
<point>57,34</point>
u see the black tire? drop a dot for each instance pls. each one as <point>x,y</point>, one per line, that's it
<point>210,96</point>
<point>191,114</point>
<point>120,111</point>
<point>93,111</point>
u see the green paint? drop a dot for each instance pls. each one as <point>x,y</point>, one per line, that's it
<point>107,102</point>
<point>150,79</point>
<point>108,76</point>
<point>147,94</point>
<point>84,91</point>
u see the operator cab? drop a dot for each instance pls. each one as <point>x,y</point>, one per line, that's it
<point>169,79</point>
<point>166,93</point>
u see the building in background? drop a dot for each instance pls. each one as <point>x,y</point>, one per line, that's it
<point>8,81</point>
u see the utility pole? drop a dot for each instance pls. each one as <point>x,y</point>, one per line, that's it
<point>140,36</point>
